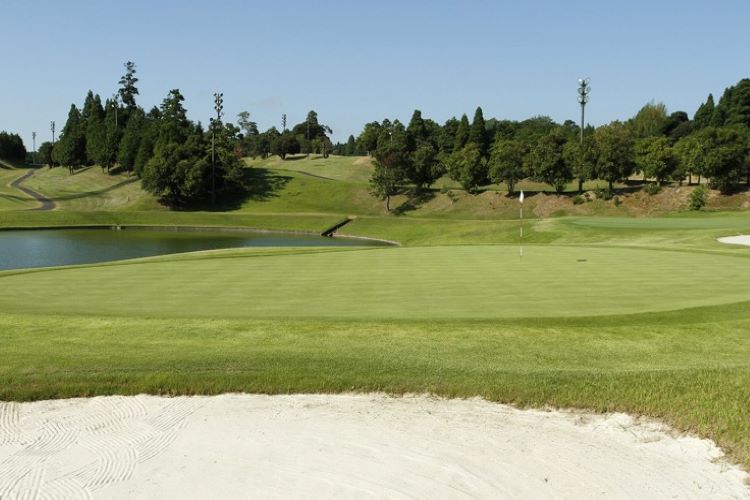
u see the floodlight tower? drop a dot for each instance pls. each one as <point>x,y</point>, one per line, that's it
<point>219,107</point>
<point>583,98</point>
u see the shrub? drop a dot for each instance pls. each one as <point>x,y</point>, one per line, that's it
<point>652,188</point>
<point>618,201</point>
<point>604,194</point>
<point>578,200</point>
<point>698,198</point>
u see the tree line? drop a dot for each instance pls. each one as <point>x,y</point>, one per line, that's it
<point>715,145</point>
<point>11,147</point>
<point>171,154</point>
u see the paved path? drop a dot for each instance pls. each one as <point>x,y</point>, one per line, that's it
<point>46,203</point>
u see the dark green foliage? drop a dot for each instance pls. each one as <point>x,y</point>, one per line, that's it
<point>44,155</point>
<point>264,142</point>
<point>655,158</point>
<point>92,117</point>
<point>131,140</point>
<point>652,189</point>
<point>705,114</point>
<point>113,128</point>
<point>391,164</point>
<point>128,90</point>
<point>723,153</point>
<point>11,147</point>
<point>677,126</point>
<point>70,150</point>
<point>250,133</point>
<point>581,159</point>
<point>351,147</point>
<point>448,136</point>
<point>506,162</point>
<point>180,170</point>
<point>478,132</point>
<point>285,144</point>
<point>424,167</point>
<point>462,134</point>
<point>468,167</point>
<point>545,161</point>
<point>699,197</point>
<point>734,106</point>
<point>615,155</point>
<point>367,141</point>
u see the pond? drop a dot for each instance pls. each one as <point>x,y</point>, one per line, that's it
<point>59,247</point>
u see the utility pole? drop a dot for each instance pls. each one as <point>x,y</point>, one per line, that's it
<point>33,142</point>
<point>52,127</point>
<point>583,98</point>
<point>219,107</point>
<point>283,123</point>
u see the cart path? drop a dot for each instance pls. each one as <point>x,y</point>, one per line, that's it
<point>45,203</point>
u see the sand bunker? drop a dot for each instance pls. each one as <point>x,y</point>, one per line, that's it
<point>736,240</point>
<point>345,445</point>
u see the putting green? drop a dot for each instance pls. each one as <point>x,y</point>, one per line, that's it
<point>461,282</point>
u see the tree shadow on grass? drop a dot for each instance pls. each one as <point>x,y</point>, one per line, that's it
<point>258,184</point>
<point>415,201</point>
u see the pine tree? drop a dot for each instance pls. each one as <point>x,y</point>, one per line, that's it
<point>128,90</point>
<point>462,134</point>
<point>70,150</point>
<point>131,140</point>
<point>478,132</point>
<point>96,135</point>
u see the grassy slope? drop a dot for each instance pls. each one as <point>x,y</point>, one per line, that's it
<point>91,189</point>
<point>10,198</point>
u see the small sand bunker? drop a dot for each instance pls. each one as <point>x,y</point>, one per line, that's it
<point>344,445</point>
<point>736,240</point>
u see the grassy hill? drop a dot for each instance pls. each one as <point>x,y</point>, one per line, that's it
<point>339,186</point>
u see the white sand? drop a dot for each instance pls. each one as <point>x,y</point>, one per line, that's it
<point>736,240</point>
<point>239,446</point>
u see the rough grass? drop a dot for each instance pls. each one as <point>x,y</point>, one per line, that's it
<point>689,368</point>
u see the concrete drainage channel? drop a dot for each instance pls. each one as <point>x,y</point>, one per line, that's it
<point>328,233</point>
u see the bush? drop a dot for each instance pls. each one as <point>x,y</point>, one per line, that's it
<point>578,200</point>
<point>652,189</point>
<point>698,197</point>
<point>603,194</point>
<point>618,201</point>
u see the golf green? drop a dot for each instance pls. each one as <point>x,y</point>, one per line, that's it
<point>426,283</point>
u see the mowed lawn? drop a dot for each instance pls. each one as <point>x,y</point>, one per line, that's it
<point>418,283</point>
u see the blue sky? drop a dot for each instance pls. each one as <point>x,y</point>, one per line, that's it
<point>355,62</point>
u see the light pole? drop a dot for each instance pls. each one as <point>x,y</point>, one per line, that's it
<point>583,98</point>
<point>283,123</point>
<point>33,142</point>
<point>52,127</point>
<point>219,107</point>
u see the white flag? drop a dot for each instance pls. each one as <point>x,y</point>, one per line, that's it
<point>520,198</point>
